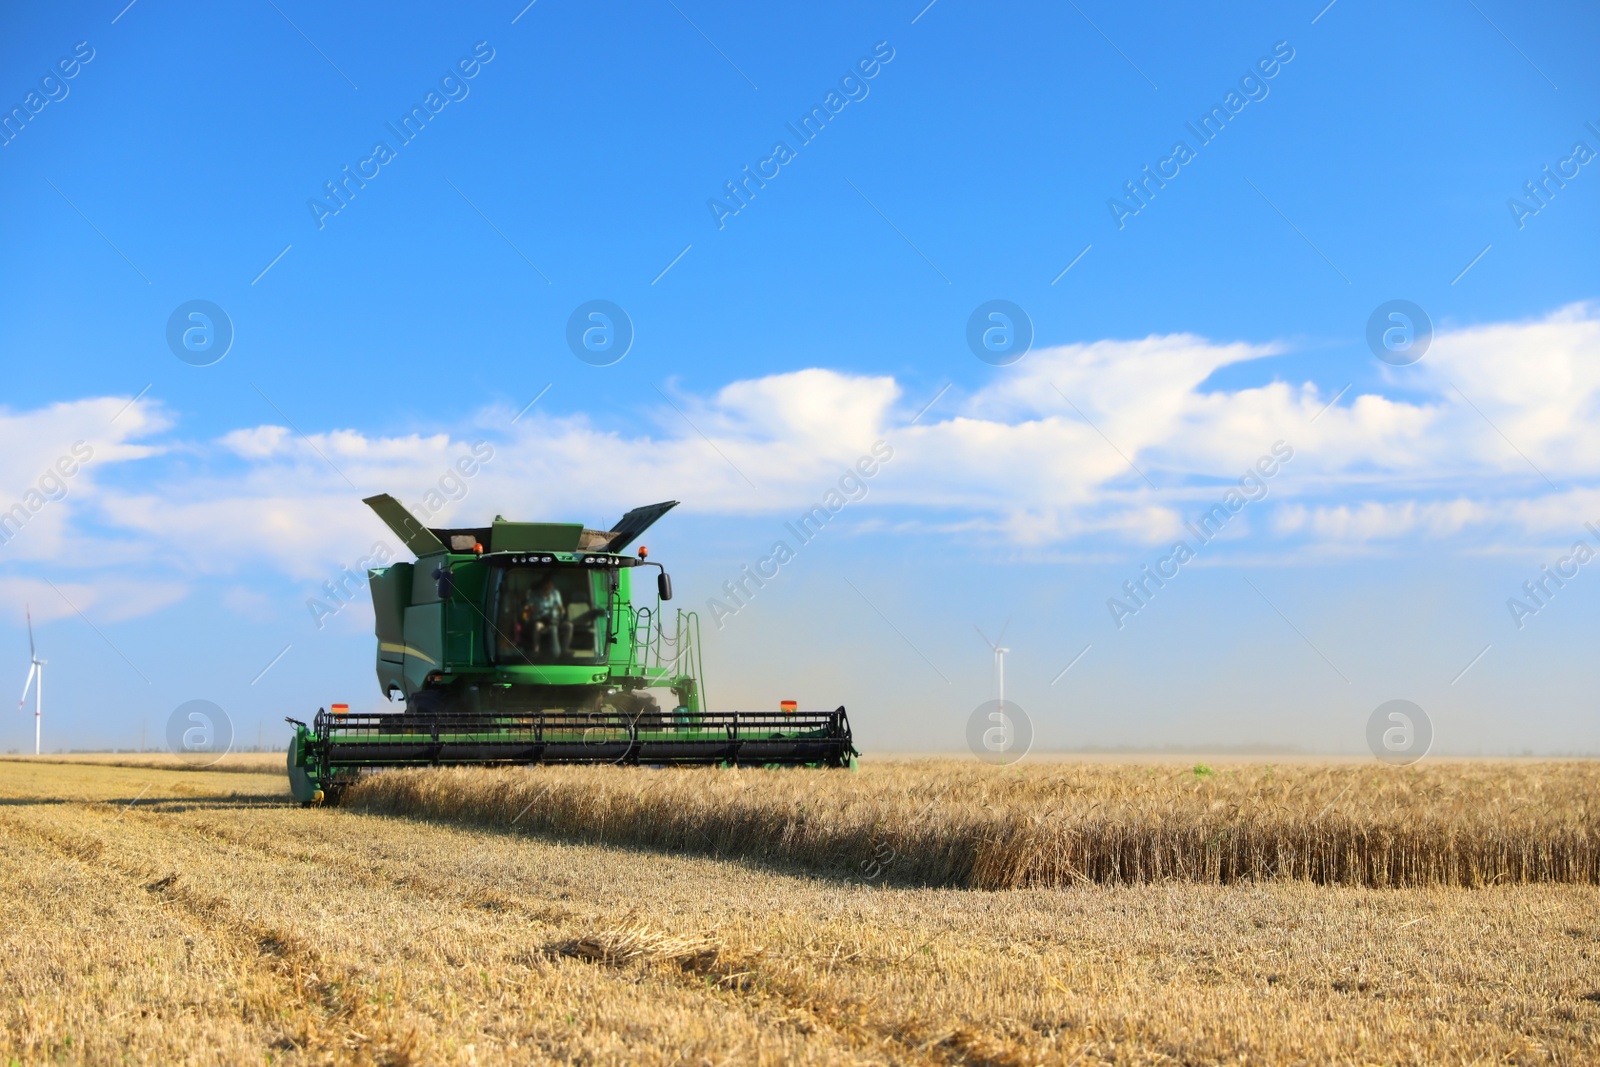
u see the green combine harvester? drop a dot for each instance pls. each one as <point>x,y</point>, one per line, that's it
<point>523,643</point>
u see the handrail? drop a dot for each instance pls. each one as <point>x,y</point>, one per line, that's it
<point>639,639</point>
<point>679,657</point>
<point>689,625</point>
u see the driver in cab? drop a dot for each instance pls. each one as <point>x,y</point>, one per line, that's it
<point>547,611</point>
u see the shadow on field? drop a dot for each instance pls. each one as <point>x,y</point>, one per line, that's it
<point>148,803</point>
<point>841,872</point>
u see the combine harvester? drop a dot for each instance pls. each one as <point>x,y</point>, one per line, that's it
<point>522,643</point>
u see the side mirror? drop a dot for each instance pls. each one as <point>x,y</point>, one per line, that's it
<point>664,585</point>
<point>447,581</point>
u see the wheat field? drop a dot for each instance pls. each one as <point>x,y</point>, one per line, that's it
<point>947,823</point>
<point>159,915</point>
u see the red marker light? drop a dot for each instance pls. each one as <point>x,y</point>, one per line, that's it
<point>643,552</point>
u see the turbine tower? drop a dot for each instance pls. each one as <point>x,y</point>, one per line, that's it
<point>35,673</point>
<point>999,659</point>
<point>1000,672</point>
<point>1002,735</point>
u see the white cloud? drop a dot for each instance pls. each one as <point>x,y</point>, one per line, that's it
<point>1555,515</point>
<point>1056,450</point>
<point>105,428</point>
<point>1537,382</point>
<point>51,460</point>
<point>107,597</point>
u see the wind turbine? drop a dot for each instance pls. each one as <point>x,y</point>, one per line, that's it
<point>999,659</point>
<point>35,671</point>
<point>999,737</point>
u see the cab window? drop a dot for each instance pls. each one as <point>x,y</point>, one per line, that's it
<point>550,615</point>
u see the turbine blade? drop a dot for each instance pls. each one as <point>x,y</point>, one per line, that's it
<point>27,686</point>
<point>983,635</point>
<point>1003,630</point>
<point>32,652</point>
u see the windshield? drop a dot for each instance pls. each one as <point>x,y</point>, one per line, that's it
<point>550,615</point>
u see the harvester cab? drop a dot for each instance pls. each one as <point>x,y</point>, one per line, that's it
<point>531,642</point>
<point>517,616</point>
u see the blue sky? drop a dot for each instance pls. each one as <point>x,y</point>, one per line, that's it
<point>976,163</point>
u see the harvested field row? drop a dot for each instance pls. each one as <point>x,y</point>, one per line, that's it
<point>232,762</point>
<point>940,822</point>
